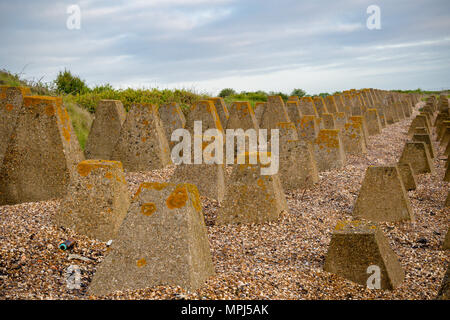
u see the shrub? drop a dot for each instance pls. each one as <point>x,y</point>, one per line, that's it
<point>226,92</point>
<point>298,92</point>
<point>69,84</point>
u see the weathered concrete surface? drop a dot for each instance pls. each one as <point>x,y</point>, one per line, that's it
<point>328,150</point>
<point>11,100</point>
<point>328,121</point>
<point>297,165</point>
<point>383,197</point>
<point>105,129</point>
<point>172,118</point>
<point>162,241</point>
<point>221,109</point>
<point>308,107</point>
<point>251,197</point>
<point>355,246</point>
<point>274,112</point>
<point>321,107</point>
<point>209,178</point>
<point>444,291</point>
<point>308,127</point>
<point>416,153</point>
<point>142,144</point>
<point>373,122</point>
<point>353,139</point>
<point>97,200</point>
<point>42,153</point>
<point>425,138</point>
<point>407,175</point>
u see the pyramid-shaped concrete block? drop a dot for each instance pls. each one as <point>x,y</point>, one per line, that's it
<point>353,139</point>
<point>221,109</point>
<point>339,102</point>
<point>209,178</point>
<point>321,107</point>
<point>357,250</point>
<point>383,196</point>
<point>373,122</point>
<point>11,100</point>
<point>442,128</point>
<point>340,120</point>
<point>445,137</point>
<point>297,165</point>
<point>407,175</point>
<point>97,200</point>
<point>424,138</point>
<point>399,109</point>
<point>274,112</point>
<point>242,116</point>
<point>362,122</point>
<point>250,196</point>
<point>307,107</point>
<point>328,121</point>
<point>416,153</point>
<point>162,241</point>
<point>105,129</point>
<point>294,111</point>
<point>259,110</point>
<point>418,121</point>
<point>447,173</point>
<point>444,290</point>
<point>331,104</point>
<point>42,153</point>
<point>328,150</point>
<point>446,244</point>
<point>381,115</point>
<point>172,118</point>
<point>308,127</point>
<point>421,130</point>
<point>406,108</point>
<point>142,144</point>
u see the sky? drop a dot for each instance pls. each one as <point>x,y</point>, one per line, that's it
<point>247,45</point>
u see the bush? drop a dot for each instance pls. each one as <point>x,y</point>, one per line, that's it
<point>281,94</point>
<point>226,92</point>
<point>298,92</point>
<point>69,84</point>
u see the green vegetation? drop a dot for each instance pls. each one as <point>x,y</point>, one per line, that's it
<point>66,83</point>
<point>298,92</point>
<point>81,100</point>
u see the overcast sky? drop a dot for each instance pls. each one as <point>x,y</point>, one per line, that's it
<point>319,46</point>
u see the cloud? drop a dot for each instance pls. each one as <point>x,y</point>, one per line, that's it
<point>247,44</point>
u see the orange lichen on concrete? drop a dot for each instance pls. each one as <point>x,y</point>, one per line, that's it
<point>147,209</point>
<point>224,106</point>
<point>306,120</point>
<point>195,196</point>
<point>35,101</point>
<point>178,198</point>
<point>286,125</point>
<point>328,137</point>
<point>85,167</point>
<point>9,107</point>
<point>150,185</point>
<point>141,262</point>
<point>356,119</point>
